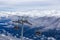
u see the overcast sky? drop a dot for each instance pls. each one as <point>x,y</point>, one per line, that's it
<point>16,5</point>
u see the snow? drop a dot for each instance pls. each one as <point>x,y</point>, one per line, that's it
<point>51,38</point>
<point>10,37</point>
<point>4,37</point>
<point>38,22</point>
<point>43,21</point>
<point>32,13</point>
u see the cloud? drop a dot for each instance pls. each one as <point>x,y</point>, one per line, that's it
<point>17,1</point>
<point>10,5</point>
<point>32,13</point>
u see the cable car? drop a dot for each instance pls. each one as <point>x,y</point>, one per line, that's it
<point>38,32</point>
<point>16,28</point>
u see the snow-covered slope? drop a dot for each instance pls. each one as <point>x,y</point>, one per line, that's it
<point>47,23</point>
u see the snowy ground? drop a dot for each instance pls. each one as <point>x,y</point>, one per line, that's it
<point>4,37</point>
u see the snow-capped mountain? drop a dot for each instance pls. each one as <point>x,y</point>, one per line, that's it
<point>49,26</point>
<point>45,22</point>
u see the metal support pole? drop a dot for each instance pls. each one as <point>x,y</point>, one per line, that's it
<point>22,21</point>
<point>22,30</point>
<point>22,33</point>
